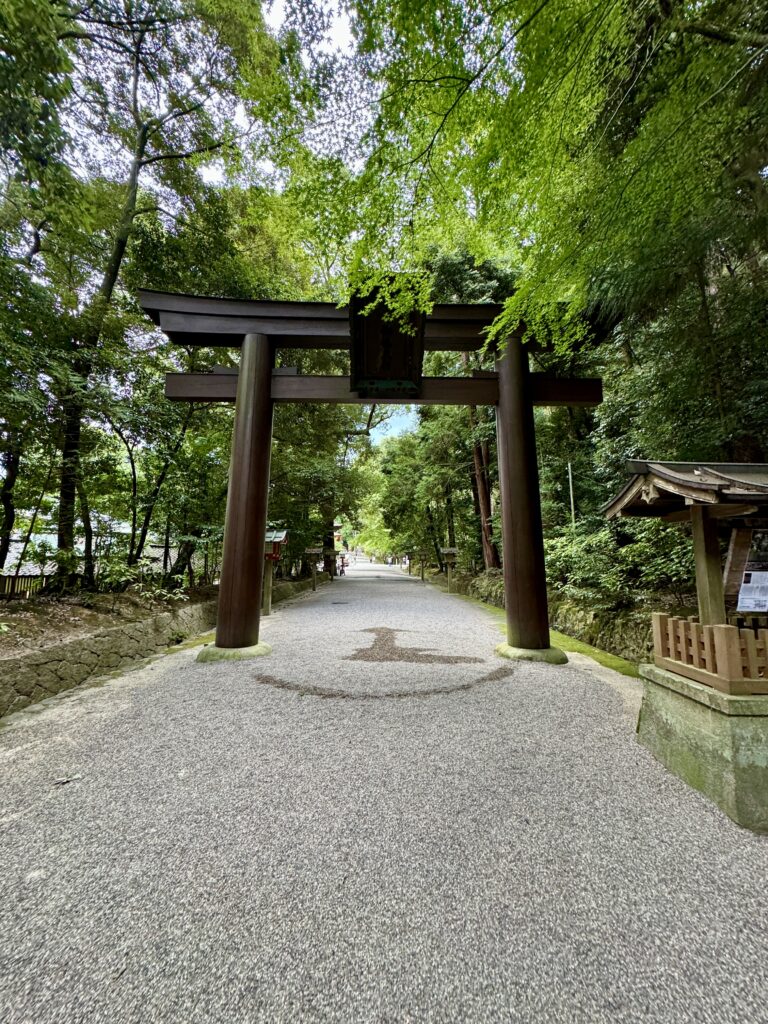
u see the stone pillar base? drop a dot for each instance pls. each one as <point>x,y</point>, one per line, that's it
<point>550,655</point>
<point>214,653</point>
<point>715,742</point>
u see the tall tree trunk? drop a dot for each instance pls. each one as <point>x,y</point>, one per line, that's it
<point>449,517</point>
<point>329,542</point>
<point>92,322</point>
<point>33,520</point>
<point>478,518</point>
<point>154,494</point>
<point>11,464</point>
<point>432,531</point>
<point>72,409</point>
<point>491,557</point>
<point>134,486</point>
<point>167,545</point>
<point>89,569</point>
<point>183,561</point>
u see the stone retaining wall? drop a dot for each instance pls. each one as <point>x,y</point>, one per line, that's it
<point>32,677</point>
<point>626,632</point>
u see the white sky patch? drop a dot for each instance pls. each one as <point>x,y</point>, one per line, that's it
<point>404,421</point>
<point>339,38</point>
<point>213,173</point>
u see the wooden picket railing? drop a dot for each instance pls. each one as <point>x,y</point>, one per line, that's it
<point>748,620</point>
<point>729,659</point>
<point>11,586</point>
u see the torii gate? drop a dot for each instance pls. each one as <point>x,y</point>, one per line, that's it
<point>259,328</point>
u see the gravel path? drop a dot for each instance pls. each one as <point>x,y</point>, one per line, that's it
<point>361,828</point>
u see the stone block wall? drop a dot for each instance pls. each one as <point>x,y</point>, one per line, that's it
<point>29,678</point>
<point>32,677</point>
<point>626,632</point>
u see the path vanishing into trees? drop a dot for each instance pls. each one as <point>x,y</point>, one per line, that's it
<point>382,821</point>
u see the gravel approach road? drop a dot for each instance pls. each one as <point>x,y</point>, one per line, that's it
<point>382,821</point>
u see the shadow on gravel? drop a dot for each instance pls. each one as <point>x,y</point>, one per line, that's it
<point>320,691</point>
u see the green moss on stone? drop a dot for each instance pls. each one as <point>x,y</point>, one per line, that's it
<point>214,653</point>
<point>612,661</point>
<point>550,655</point>
<point>721,753</point>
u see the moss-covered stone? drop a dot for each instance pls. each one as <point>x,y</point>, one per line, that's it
<point>550,655</point>
<point>214,653</point>
<point>716,743</point>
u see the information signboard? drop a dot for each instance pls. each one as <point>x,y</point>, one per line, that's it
<point>753,595</point>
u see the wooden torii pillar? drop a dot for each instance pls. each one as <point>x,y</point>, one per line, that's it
<point>513,389</point>
<point>242,563</point>
<point>525,582</point>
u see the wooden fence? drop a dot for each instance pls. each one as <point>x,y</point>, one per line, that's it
<point>12,586</point>
<point>729,659</point>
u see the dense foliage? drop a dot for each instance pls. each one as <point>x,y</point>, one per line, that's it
<point>599,169</point>
<point>133,144</point>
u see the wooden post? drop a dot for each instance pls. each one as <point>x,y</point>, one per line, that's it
<point>269,572</point>
<point>329,562</point>
<point>314,576</point>
<point>448,570</point>
<point>525,587</point>
<point>728,653</point>
<point>242,564</point>
<point>736,563</point>
<point>709,568</point>
<point>660,634</point>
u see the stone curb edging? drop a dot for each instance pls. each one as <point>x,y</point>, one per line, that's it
<point>37,675</point>
<point>627,633</point>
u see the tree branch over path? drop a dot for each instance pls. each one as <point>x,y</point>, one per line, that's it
<point>725,35</point>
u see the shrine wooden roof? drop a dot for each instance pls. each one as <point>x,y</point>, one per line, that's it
<point>199,320</point>
<point>668,490</point>
<point>276,536</point>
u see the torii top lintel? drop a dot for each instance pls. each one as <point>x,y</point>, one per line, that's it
<point>196,320</point>
<point>217,322</point>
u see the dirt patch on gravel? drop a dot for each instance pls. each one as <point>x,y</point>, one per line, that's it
<point>304,690</point>
<point>386,648</point>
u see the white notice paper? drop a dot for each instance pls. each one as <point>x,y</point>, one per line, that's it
<point>753,596</point>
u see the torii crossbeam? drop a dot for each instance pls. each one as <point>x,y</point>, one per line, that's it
<point>259,328</point>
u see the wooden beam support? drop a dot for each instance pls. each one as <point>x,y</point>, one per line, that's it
<point>726,510</point>
<point>330,342</point>
<point>242,567</point>
<point>736,562</point>
<point>222,387</point>
<point>266,597</point>
<point>709,568</point>
<point>201,387</point>
<point>525,587</point>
